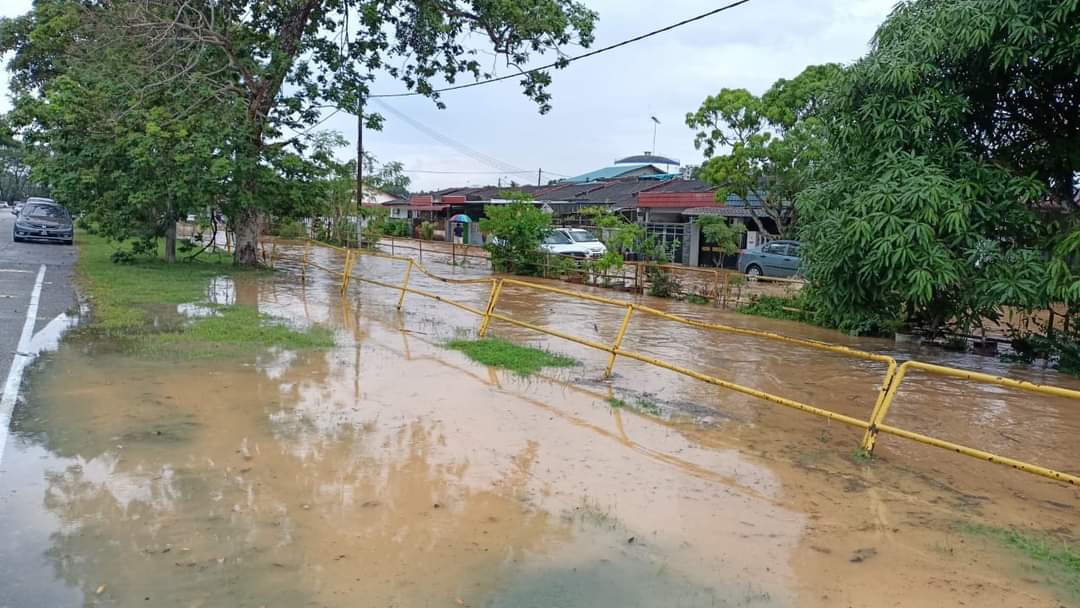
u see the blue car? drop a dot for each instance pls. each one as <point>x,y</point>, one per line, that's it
<point>774,259</point>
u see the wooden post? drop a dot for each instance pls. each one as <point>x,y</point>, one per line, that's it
<point>421,242</point>
<point>453,253</point>
<point>726,289</point>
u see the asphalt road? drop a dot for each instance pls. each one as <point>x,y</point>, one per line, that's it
<point>20,264</point>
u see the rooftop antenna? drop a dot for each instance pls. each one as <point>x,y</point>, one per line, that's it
<point>656,121</point>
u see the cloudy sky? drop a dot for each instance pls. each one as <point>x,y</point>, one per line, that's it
<point>602,104</point>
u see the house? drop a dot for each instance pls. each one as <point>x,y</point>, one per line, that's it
<point>666,204</point>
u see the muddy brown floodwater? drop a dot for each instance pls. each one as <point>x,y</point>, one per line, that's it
<point>389,471</point>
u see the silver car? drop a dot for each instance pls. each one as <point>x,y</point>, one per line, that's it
<point>775,259</point>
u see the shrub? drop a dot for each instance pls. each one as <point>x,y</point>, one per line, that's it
<point>427,230</point>
<point>517,229</point>
<point>289,229</point>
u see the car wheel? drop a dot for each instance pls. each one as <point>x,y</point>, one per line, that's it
<point>69,242</point>
<point>753,270</point>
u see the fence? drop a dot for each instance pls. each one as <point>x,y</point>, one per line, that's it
<point>723,287</point>
<point>894,375</point>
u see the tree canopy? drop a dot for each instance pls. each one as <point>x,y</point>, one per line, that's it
<point>764,148</point>
<point>274,68</point>
<point>948,185</point>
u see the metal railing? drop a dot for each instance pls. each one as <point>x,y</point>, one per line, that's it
<point>894,374</point>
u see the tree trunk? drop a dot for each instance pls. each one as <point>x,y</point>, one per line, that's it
<point>247,228</point>
<point>170,241</point>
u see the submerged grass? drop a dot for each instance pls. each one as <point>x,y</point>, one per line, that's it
<point>230,330</point>
<point>1057,560</point>
<point>642,405</point>
<point>123,296</point>
<point>522,360</point>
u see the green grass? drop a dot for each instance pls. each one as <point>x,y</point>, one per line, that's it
<point>124,297</point>
<point>642,405</point>
<point>522,360</point>
<point>121,294</point>
<point>232,330</point>
<point>774,307</point>
<point>694,298</point>
<point>1057,560</point>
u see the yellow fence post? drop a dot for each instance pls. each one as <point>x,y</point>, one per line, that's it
<point>496,289</point>
<point>889,385</point>
<point>618,340</point>
<point>347,269</point>
<point>404,285</point>
<point>893,378</point>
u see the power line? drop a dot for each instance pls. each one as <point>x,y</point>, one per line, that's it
<point>565,61</point>
<point>480,157</point>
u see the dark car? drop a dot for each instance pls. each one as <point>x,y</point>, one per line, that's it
<point>775,259</point>
<point>41,220</point>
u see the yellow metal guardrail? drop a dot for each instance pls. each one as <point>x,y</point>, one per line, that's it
<point>894,374</point>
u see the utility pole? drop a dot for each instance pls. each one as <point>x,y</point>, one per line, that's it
<point>538,172</point>
<point>359,167</point>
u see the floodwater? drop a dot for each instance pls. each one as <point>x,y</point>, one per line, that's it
<point>389,471</point>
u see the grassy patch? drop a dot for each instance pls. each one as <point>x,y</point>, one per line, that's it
<point>861,456</point>
<point>122,293</point>
<point>124,296</point>
<point>642,405</point>
<point>694,298</point>
<point>1056,559</point>
<point>522,360</point>
<point>774,307</point>
<point>231,330</point>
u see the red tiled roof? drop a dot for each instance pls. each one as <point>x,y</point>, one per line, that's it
<point>675,199</point>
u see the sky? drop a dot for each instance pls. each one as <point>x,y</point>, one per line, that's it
<point>602,105</point>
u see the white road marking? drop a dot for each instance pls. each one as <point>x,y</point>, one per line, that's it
<point>20,361</point>
<point>14,270</point>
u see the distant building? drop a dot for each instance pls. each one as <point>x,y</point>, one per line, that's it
<point>642,188</point>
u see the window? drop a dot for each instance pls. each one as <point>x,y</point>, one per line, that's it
<point>793,250</point>
<point>557,238</point>
<point>583,236</point>
<point>45,212</point>
<point>775,248</point>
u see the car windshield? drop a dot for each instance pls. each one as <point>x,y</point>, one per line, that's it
<point>557,238</point>
<point>583,236</point>
<point>45,212</point>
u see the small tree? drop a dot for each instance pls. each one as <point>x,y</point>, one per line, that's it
<point>717,232</point>
<point>516,229</point>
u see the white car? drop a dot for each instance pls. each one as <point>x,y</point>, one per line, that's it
<point>583,237</point>
<point>560,243</point>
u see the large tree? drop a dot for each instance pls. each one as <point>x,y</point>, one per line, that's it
<point>948,186</point>
<point>286,61</point>
<point>765,148</point>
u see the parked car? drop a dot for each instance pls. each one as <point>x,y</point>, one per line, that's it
<point>43,220</point>
<point>583,237</point>
<point>775,259</point>
<point>560,243</point>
